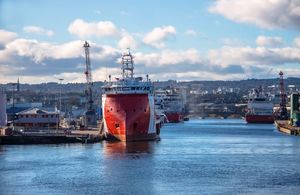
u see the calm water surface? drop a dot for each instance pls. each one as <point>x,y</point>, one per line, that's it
<point>195,157</point>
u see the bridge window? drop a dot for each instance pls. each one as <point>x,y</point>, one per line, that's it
<point>135,125</point>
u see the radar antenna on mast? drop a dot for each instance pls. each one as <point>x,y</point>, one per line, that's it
<point>127,65</point>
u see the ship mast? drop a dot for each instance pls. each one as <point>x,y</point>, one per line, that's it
<point>127,65</point>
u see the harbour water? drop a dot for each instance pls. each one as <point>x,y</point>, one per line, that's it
<point>210,156</point>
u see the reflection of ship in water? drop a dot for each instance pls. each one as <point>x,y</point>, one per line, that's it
<point>116,148</point>
<point>128,167</point>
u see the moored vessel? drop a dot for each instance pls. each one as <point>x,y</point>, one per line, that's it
<point>128,106</point>
<point>174,105</point>
<point>260,108</point>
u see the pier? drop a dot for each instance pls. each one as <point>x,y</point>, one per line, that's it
<point>52,137</point>
<point>285,127</point>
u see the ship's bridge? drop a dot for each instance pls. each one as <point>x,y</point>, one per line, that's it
<point>128,86</point>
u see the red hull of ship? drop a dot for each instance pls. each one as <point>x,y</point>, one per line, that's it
<point>259,119</point>
<point>174,117</point>
<point>127,117</point>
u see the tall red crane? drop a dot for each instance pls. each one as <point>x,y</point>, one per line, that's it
<point>283,114</point>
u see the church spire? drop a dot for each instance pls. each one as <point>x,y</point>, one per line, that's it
<point>18,85</point>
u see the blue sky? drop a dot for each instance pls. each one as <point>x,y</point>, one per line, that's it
<point>186,40</point>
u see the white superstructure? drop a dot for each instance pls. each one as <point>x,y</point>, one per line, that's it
<point>259,104</point>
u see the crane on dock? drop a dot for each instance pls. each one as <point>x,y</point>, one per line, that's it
<point>90,119</point>
<point>283,114</point>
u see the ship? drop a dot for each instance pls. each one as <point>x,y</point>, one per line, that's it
<point>174,105</point>
<point>159,97</point>
<point>128,105</point>
<point>260,108</point>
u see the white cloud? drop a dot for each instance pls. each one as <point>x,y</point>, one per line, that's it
<point>105,53</point>
<point>254,56</point>
<point>84,29</point>
<point>73,77</point>
<point>38,30</point>
<point>38,61</point>
<point>297,41</point>
<point>99,74</point>
<point>196,75</point>
<point>6,36</point>
<point>169,57</point>
<point>31,59</point>
<point>190,32</point>
<point>126,41</point>
<point>39,51</point>
<point>289,72</point>
<point>263,13</point>
<point>102,73</point>
<point>158,35</point>
<point>269,41</point>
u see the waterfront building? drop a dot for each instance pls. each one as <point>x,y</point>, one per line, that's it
<point>35,117</point>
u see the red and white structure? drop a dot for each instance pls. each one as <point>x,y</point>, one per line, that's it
<point>260,108</point>
<point>128,106</point>
<point>37,118</point>
<point>174,105</point>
